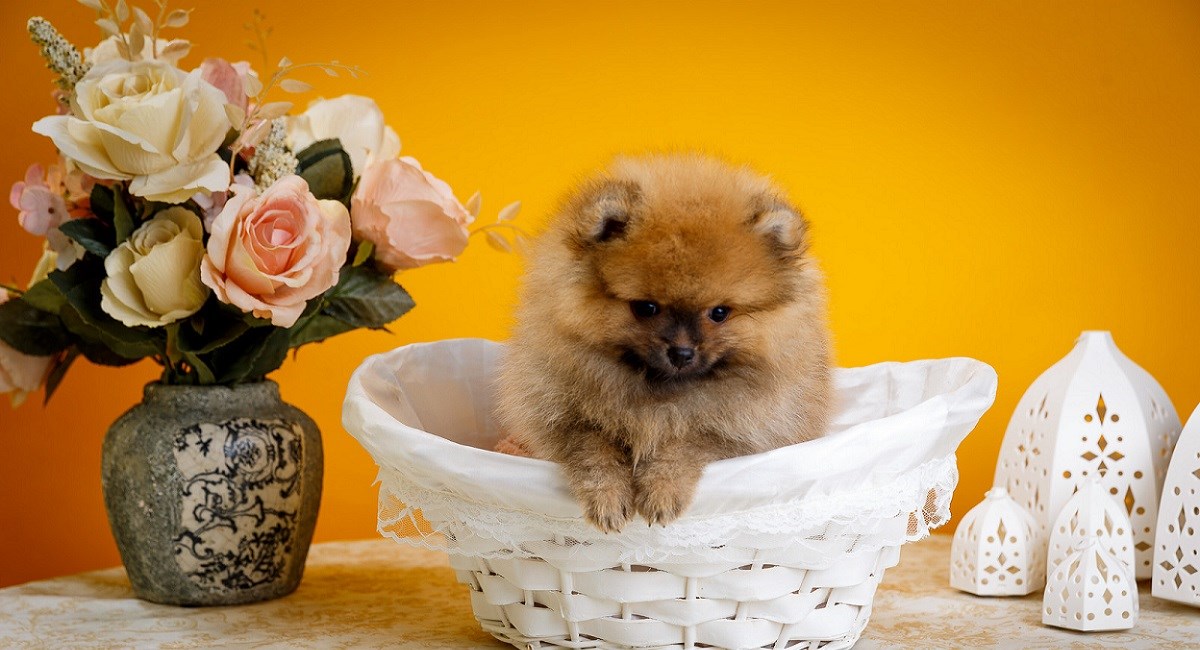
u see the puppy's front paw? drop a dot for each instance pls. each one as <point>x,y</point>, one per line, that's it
<point>663,500</point>
<point>608,509</point>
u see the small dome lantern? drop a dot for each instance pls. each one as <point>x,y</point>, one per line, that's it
<point>998,549</point>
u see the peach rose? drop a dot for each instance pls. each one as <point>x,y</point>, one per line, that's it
<point>410,216</point>
<point>20,373</point>
<point>270,253</point>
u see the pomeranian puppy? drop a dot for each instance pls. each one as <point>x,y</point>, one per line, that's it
<point>671,317</point>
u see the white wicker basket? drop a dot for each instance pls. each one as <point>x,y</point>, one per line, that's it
<point>779,550</point>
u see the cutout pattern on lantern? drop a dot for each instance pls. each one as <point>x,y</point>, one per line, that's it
<point>1091,512</point>
<point>1177,540</point>
<point>997,549</point>
<point>1090,590</point>
<point>1094,414</point>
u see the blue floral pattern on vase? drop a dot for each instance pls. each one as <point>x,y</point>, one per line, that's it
<point>241,495</point>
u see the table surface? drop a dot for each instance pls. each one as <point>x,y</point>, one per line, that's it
<point>379,594</point>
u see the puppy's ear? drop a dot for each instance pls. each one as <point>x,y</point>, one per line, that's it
<point>607,208</point>
<point>783,225</point>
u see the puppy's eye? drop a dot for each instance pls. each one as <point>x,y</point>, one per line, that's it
<point>718,314</point>
<point>643,308</point>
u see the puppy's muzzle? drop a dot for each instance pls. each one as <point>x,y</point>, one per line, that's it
<point>680,356</point>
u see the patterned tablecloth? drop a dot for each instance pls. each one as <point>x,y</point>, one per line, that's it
<point>373,594</point>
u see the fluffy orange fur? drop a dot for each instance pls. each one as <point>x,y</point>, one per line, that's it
<point>592,377</point>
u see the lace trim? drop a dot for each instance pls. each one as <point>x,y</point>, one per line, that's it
<point>862,520</point>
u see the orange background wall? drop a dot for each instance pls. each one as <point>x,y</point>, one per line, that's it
<point>985,179</point>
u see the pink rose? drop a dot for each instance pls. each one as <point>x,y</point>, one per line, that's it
<point>410,216</point>
<point>271,253</point>
<point>20,373</point>
<point>229,78</point>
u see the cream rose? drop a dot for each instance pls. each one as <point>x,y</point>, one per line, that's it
<point>269,254</point>
<point>20,373</point>
<point>355,121</point>
<point>147,122</point>
<point>410,216</point>
<point>154,276</point>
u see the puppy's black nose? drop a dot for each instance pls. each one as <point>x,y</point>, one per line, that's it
<point>680,356</point>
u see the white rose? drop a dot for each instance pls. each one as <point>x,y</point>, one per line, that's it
<point>107,51</point>
<point>146,122</point>
<point>154,276</point>
<point>356,121</point>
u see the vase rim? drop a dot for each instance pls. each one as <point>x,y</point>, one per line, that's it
<point>158,391</point>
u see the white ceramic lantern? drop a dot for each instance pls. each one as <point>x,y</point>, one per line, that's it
<point>1091,512</point>
<point>1177,540</point>
<point>1093,414</point>
<point>998,549</point>
<point>1090,590</point>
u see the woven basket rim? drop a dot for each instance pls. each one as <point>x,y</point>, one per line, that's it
<point>935,425</point>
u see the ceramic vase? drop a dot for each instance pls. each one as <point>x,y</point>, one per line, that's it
<point>1094,414</point>
<point>212,493</point>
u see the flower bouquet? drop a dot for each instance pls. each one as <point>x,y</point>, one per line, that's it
<point>194,220</point>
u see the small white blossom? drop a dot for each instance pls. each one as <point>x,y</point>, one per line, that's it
<point>272,160</point>
<point>60,55</point>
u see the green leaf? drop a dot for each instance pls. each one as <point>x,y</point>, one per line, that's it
<point>94,235</point>
<point>102,202</point>
<point>92,343</point>
<point>203,373</point>
<point>327,169</point>
<point>122,220</point>
<point>45,296</point>
<point>215,325</point>
<point>271,355</point>
<point>316,329</point>
<point>151,208</point>
<point>30,330</point>
<point>365,297</point>
<point>80,284</point>
<point>58,372</point>
<point>249,357</point>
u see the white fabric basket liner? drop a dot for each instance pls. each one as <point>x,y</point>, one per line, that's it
<point>883,475</point>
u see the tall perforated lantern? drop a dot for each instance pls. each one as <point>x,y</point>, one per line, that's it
<point>1097,414</point>
<point>1177,543</point>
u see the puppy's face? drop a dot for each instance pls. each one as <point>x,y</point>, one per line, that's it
<point>675,342</point>
<point>676,275</point>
